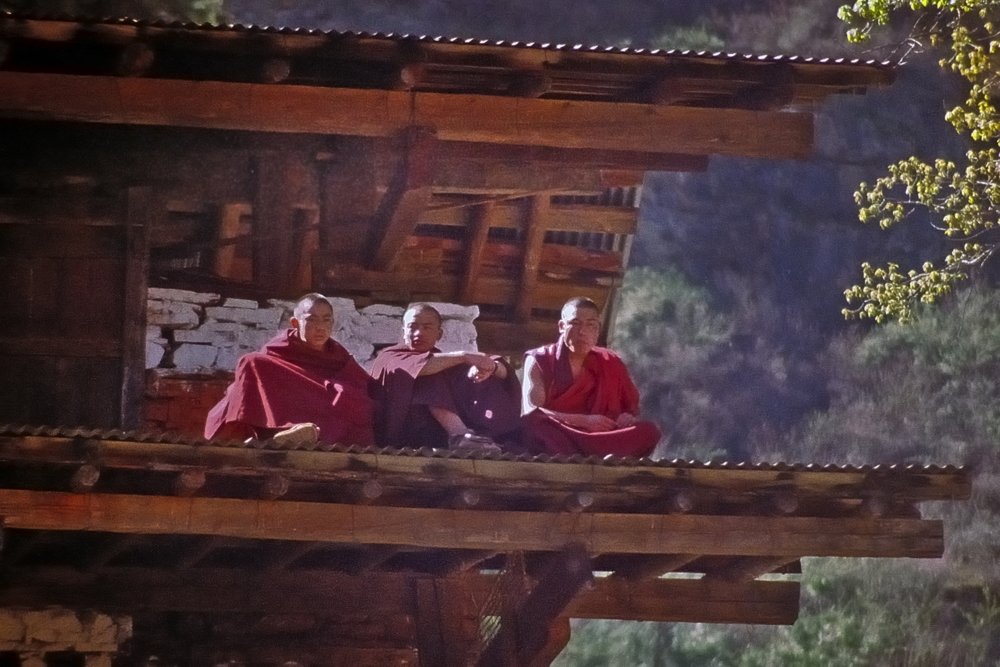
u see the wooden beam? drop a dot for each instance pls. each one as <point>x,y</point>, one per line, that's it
<point>138,220</point>
<point>562,217</point>
<point>405,200</point>
<point>650,567</point>
<point>198,552</point>
<point>430,630</point>
<point>273,221</point>
<point>534,236</point>
<point>114,546</point>
<point>264,652</point>
<point>474,118</point>
<point>524,632</point>
<point>446,528</point>
<point>482,217</point>
<point>821,483</point>
<point>284,558</point>
<point>215,590</point>
<point>577,158</point>
<point>481,177</point>
<point>747,569</point>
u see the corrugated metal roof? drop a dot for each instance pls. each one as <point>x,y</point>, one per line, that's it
<point>439,39</point>
<point>14,430</point>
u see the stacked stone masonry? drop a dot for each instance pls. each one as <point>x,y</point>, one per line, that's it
<point>196,333</point>
<point>34,633</point>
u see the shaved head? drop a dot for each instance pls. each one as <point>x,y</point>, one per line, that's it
<point>421,307</point>
<point>306,302</point>
<point>578,303</point>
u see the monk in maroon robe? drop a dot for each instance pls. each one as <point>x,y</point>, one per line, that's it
<point>429,398</point>
<point>300,387</point>
<point>579,398</point>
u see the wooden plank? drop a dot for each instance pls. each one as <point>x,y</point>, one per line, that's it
<point>903,483</point>
<point>215,590</point>
<point>348,198</point>
<point>138,220</point>
<point>446,528</point>
<point>651,567</point>
<point>476,118</point>
<point>430,631</point>
<point>578,157</point>
<point>405,200</point>
<point>335,279</point>
<point>562,217</point>
<point>300,652</point>
<point>748,569</point>
<point>232,260</point>
<point>481,177</point>
<point>534,236</point>
<point>475,244</point>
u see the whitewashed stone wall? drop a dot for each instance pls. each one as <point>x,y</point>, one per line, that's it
<point>193,332</point>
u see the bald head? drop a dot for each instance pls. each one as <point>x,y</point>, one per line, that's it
<point>576,304</point>
<point>422,327</point>
<point>312,320</point>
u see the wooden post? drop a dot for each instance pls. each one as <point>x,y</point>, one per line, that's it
<point>475,244</point>
<point>138,213</point>
<point>430,639</point>
<point>534,236</point>
<point>348,198</point>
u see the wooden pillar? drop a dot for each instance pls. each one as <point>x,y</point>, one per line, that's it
<point>479,232</point>
<point>534,236</point>
<point>138,214</point>
<point>348,198</point>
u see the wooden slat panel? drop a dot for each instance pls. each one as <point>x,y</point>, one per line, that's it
<point>543,155</point>
<point>487,119</point>
<point>60,347</point>
<point>442,528</point>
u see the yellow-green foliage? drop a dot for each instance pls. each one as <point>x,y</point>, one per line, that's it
<point>963,198</point>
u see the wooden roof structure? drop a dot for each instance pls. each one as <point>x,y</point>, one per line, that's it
<point>393,168</point>
<point>264,555</point>
<point>262,163</point>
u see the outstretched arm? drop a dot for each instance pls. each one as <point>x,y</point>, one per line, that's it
<point>441,361</point>
<point>533,398</point>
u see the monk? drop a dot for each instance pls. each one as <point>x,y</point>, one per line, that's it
<point>456,400</point>
<point>300,387</point>
<point>579,398</point>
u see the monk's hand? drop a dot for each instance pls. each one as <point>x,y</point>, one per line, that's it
<point>597,423</point>
<point>480,366</point>
<point>625,420</point>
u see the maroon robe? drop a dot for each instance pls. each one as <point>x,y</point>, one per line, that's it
<point>491,408</point>
<point>603,387</point>
<point>289,383</point>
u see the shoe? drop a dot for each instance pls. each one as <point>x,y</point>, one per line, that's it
<point>473,443</point>
<point>298,435</point>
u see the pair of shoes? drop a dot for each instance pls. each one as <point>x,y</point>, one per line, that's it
<point>473,444</point>
<point>295,436</point>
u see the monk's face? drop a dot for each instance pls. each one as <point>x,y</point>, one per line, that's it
<point>421,330</point>
<point>315,324</point>
<point>580,327</point>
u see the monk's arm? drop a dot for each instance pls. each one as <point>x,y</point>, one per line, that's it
<point>441,361</point>
<point>533,398</point>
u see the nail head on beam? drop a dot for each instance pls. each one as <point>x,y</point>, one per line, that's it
<point>372,489</point>
<point>189,482</point>
<point>276,70</point>
<point>683,502</point>
<point>785,502</point>
<point>275,486</point>
<point>85,478</point>
<point>136,60</point>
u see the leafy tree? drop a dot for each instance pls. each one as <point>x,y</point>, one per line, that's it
<point>963,196</point>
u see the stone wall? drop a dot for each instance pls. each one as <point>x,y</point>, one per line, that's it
<point>197,333</point>
<point>34,633</point>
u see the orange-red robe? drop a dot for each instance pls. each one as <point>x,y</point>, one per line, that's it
<point>603,387</point>
<point>491,408</point>
<point>286,383</point>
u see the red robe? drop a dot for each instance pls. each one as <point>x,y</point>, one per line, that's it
<point>491,407</point>
<point>603,387</point>
<point>288,383</point>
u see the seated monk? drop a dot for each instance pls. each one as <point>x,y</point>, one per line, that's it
<point>300,387</point>
<point>429,398</point>
<point>578,398</point>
